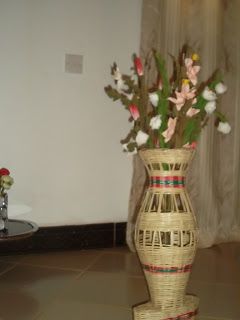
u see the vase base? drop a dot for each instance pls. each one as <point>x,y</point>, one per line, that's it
<point>188,311</point>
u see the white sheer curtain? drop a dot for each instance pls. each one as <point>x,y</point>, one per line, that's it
<point>212,27</point>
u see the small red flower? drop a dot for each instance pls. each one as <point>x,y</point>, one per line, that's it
<point>138,66</point>
<point>193,145</point>
<point>4,172</point>
<point>134,111</point>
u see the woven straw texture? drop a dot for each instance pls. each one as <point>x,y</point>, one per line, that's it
<point>166,235</point>
<point>149,312</point>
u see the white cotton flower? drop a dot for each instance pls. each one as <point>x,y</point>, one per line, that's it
<point>129,96</point>
<point>220,88</point>
<point>224,127</point>
<point>133,75</point>
<point>117,74</point>
<point>210,107</point>
<point>155,122</point>
<point>120,85</point>
<point>154,98</point>
<point>141,138</point>
<point>209,94</point>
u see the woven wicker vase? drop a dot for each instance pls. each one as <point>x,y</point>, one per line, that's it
<point>166,236</point>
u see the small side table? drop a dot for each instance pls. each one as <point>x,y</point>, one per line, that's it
<point>18,229</point>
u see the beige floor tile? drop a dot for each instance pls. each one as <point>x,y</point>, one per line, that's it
<point>38,286</point>
<point>126,262</point>
<point>74,260</point>
<point>107,288</point>
<point>115,250</point>
<point>217,265</point>
<point>76,310</point>
<point>11,258</point>
<point>31,276</point>
<point>4,266</point>
<point>18,305</point>
<point>212,318</point>
<point>34,286</point>
<point>217,300</point>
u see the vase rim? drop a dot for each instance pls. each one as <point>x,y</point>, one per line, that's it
<point>167,149</point>
<point>177,155</point>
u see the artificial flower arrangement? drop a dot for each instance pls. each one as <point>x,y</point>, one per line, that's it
<point>6,181</point>
<point>172,112</point>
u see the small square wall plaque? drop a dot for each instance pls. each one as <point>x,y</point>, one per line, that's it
<point>73,63</point>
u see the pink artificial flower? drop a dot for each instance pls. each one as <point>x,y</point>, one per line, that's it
<point>194,101</point>
<point>192,112</point>
<point>138,66</point>
<point>179,102</point>
<point>192,71</point>
<point>170,130</point>
<point>185,94</point>
<point>134,111</point>
<point>193,145</point>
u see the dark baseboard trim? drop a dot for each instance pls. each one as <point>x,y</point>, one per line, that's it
<point>91,236</point>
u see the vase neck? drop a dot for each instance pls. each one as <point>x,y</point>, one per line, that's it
<point>166,168</point>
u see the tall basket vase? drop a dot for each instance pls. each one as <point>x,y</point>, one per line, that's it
<point>166,236</point>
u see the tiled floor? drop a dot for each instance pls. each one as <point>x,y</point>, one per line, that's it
<point>104,284</point>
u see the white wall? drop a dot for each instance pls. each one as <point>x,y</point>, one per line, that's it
<point>59,132</point>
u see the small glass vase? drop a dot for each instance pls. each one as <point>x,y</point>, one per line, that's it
<point>4,212</point>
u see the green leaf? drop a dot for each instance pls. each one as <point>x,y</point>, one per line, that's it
<point>160,63</point>
<point>176,77</point>
<point>112,93</point>
<point>150,143</point>
<point>215,79</point>
<point>162,143</point>
<point>201,103</point>
<point>220,116</point>
<point>191,131</point>
<point>131,146</point>
<point>162,108</point>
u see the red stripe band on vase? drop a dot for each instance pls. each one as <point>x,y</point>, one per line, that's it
<point>167,182</point>
<point>156,269</point>
<point>184,316</point>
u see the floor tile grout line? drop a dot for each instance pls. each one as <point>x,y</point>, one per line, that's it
<point>80,270</point>
<point>38,315</point>
<point>235,284</point>
<point>83,270</point>
<point>78,276</point>
<point>87,269</point>
<point>8,269</point>
<point>22,263</point>
<point>112,251</point>
<point>115,273</point>
<point>90,265</point>
<point>128,308</point>
<point>57,297</point>
<point>120,306</point>
<point>49,267</point>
